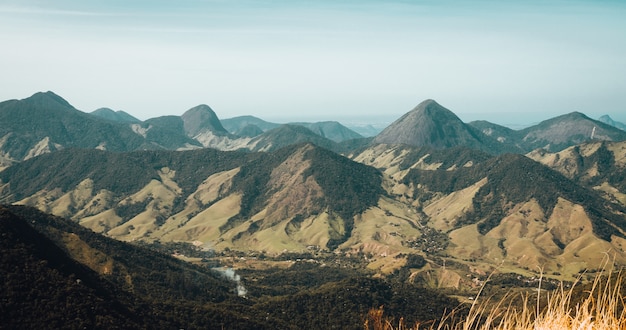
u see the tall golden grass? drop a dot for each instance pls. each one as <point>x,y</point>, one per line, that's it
<point>601,307</point>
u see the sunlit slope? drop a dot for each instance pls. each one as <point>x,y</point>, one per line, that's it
<point>290,199</point>
<point>505,210</point>
<point>455,203</point>
<point>598,165</point>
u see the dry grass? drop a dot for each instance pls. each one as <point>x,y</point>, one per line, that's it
<point>601,308</point>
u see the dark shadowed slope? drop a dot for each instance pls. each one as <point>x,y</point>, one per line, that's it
<point>57,274</point>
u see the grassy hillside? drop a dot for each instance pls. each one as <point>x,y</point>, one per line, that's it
<point>290,184</point>
<point>348,188</point>
<point>514,179</point>
<point>122,173</point>
<point>590,164</point>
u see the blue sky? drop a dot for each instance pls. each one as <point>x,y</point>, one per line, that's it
<point>510,62</point>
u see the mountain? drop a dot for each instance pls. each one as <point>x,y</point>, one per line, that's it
<point>201,119</point>
<point>250,130</point>
<point>250,138</point>
<point>119,115</point>
<point>365,130</point>
<point>564,131</point>
<point>232,199</point>
<point>608,120</point>
<point>461,203</point>
<point>431,125</point>
<point>507,177</point>
<point>501,133</point>
<point>235,124</point>
<point>395,161</point>
<point>481,208</point>
<point>202,124</point>
<point>167,132</point>
<point>513,209</point>
<point>286,135</point>
<point>331,130</point>
<point>457,195</point>
<point>597,165</point>
<point>45,122</point>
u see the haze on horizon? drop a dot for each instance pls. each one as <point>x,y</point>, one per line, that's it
<point>507,62</point>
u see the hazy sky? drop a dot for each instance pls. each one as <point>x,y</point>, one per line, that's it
<point>504,61</point>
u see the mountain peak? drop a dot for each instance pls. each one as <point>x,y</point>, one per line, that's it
<point>111,114</point>
<point>289,134</point>
<point>575,115</point>
<point>608,120</point>
<point>605,118</point>
<point>428,102</point>
<point>201,107</point>
<point>428,124</point>
<point>202,118</point>
<point>48,98</point>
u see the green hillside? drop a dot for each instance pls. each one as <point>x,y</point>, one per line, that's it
<point>44,115</point>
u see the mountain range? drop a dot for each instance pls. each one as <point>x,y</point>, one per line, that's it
<point>475,194</point>
<point>45,122</point>
<point>390,200</point>
<point>431,125</point>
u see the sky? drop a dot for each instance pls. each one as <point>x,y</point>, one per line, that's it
<point>509,62</point>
